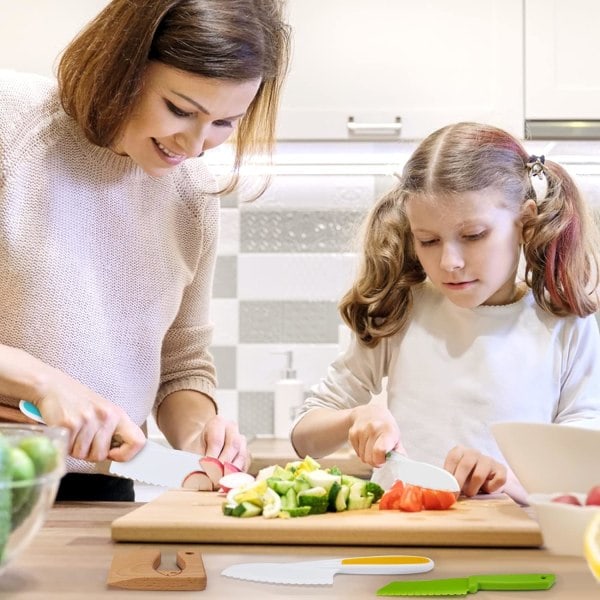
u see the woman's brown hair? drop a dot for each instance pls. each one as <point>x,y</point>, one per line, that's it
<point>101,72</point>
<point>561,240</point>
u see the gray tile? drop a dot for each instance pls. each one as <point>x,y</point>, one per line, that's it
<point>225,358</point>
<point>225,283</point>
<point>288,322</point>
<point>269,230</point>
<point>229,200</point>
<point>255,411</point>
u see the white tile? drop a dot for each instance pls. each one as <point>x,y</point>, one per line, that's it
<point>229,237</point>
<point>294,276</point>
<point>227,401</point>
<point>260,366</point>
<point>225,316</point>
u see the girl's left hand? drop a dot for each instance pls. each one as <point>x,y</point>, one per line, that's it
<point>474,471</point>
<point>221,439</point>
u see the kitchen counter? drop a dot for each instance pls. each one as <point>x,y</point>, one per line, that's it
<point>267,450</point>
<point>71,556</point>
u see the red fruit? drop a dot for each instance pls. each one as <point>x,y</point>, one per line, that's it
<point>567,499</point>
<point>593,497</point>
<point>213,467</point>
<point>198,481</point>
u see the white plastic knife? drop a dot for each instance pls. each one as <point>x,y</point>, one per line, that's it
<point>154,463</point>
<point>400,467</point>
<point>321,572</point>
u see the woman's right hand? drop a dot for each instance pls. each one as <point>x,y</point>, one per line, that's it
<point>91,420</point>
<point>373,433</point>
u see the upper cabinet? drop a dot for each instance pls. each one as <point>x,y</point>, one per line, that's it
<point>399,69</point>
<point>562,76</point>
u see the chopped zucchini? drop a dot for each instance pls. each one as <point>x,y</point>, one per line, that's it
<point>299,511</point>
<point>281,486</point>
<point>317,498</point>
<point>321,478</point>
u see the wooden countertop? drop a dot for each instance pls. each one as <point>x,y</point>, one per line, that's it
<point>267,450</point>
<point>71,556</point>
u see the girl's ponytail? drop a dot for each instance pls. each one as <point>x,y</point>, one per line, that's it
<point>559,246</point>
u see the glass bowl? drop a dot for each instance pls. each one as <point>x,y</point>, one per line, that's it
<point>32,462</point>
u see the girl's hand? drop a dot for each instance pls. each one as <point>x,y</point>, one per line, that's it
<point>91,420</point>
<point>373,433</point>
<point>221,439</point>
<point>474,471</point>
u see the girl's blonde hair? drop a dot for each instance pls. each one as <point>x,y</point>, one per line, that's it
<point>561,241</point>
<point>101,72</point>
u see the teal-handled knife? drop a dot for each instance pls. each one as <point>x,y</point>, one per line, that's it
<point>461,586</point>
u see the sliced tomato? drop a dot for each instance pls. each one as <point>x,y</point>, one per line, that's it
<point>437,499</point>
<point>412,498</point>
<point>391,499</point>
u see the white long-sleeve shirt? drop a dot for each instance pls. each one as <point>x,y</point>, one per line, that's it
<point>454,371</point>
<point>105,272</point>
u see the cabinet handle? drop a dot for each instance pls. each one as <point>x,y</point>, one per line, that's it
<point>374,128</point>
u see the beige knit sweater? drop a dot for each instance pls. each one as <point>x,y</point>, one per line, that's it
<point>105,272</point>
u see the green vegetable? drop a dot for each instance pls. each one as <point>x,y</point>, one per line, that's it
<point>321,478</point>
<point>375,489</point>
<point>42,452</point>
<point>317,498</point>
<point>281,486</point>
<point>5,494</point>
<point>358,498</point>
<point>246,509</point>
<point>22,470</point>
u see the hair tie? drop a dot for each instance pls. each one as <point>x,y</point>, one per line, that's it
<point>535,165</point>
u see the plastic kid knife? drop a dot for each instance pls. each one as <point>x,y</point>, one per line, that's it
<point>461,586</point>
<point>321,572</point>
<point>400,467</point>
<point>154,463</point>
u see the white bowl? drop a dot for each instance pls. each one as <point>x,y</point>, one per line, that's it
<point>563,525</point>
<point>552,460</point>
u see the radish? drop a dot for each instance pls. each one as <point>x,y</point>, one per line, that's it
<point>198,481</point>
<point>234,480</point>
<point>213,467</point>
<point>593,496</point>
<point>567,499</point>
<point>230,468</point>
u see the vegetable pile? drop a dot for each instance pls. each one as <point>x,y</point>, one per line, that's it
<point>21,463</point>
<point>301,488</point>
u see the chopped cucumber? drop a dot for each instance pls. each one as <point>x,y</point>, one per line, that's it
<point>317,498</point>
<point>289,500</point>
<point>5,494</point>
<point>246,509</point>
<point>281,486</point>
<point>375,489</point>
<point>338,497</point>
<point>358,498</point>
<point>299,511</point>
<point>321,478</point>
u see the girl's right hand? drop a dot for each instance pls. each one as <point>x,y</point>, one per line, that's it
<point>91,420</point>
<point>373,433</point>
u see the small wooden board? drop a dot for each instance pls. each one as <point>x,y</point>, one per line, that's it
<point>184,516</point>
<point>136,567</point>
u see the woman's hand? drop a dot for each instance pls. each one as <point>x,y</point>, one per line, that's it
<point>373,433</point>
<point>91,420</point>
<point>221,439</point>
<point>474,471</point>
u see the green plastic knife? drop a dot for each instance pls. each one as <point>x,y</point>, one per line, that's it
<point>460,586</point>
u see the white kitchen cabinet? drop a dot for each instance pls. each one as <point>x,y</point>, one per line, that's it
<point>402,68</point>
<point>562,46</point>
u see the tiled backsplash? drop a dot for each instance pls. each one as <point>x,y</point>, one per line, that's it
<point>286,259</point>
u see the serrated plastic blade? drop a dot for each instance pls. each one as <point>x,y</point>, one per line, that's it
<point>280,573</point>
<point>158,465</point>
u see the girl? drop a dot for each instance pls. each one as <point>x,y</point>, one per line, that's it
<point>108,223</point>
<point>437,308</point>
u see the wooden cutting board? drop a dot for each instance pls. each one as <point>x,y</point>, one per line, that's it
<point>182,516</point>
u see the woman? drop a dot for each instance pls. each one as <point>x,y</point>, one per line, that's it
<point>109,223</point>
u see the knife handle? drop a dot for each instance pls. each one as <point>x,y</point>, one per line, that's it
<point>521,581</point>
<point>33,412</point>
<point>385,565</point>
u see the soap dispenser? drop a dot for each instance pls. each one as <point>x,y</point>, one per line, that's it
<point>289,395</point>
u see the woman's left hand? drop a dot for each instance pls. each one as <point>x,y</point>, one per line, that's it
<point>474,471</point>
<point>222,439</point>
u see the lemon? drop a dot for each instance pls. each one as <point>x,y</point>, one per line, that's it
<point>591,544</point>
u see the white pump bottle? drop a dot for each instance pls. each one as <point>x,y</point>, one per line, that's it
<point>289,395</point>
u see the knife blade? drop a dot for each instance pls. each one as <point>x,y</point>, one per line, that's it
<point>399,467</point>
<point>154,464</point>
<point>460,586</point>
<point>321,572</point>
